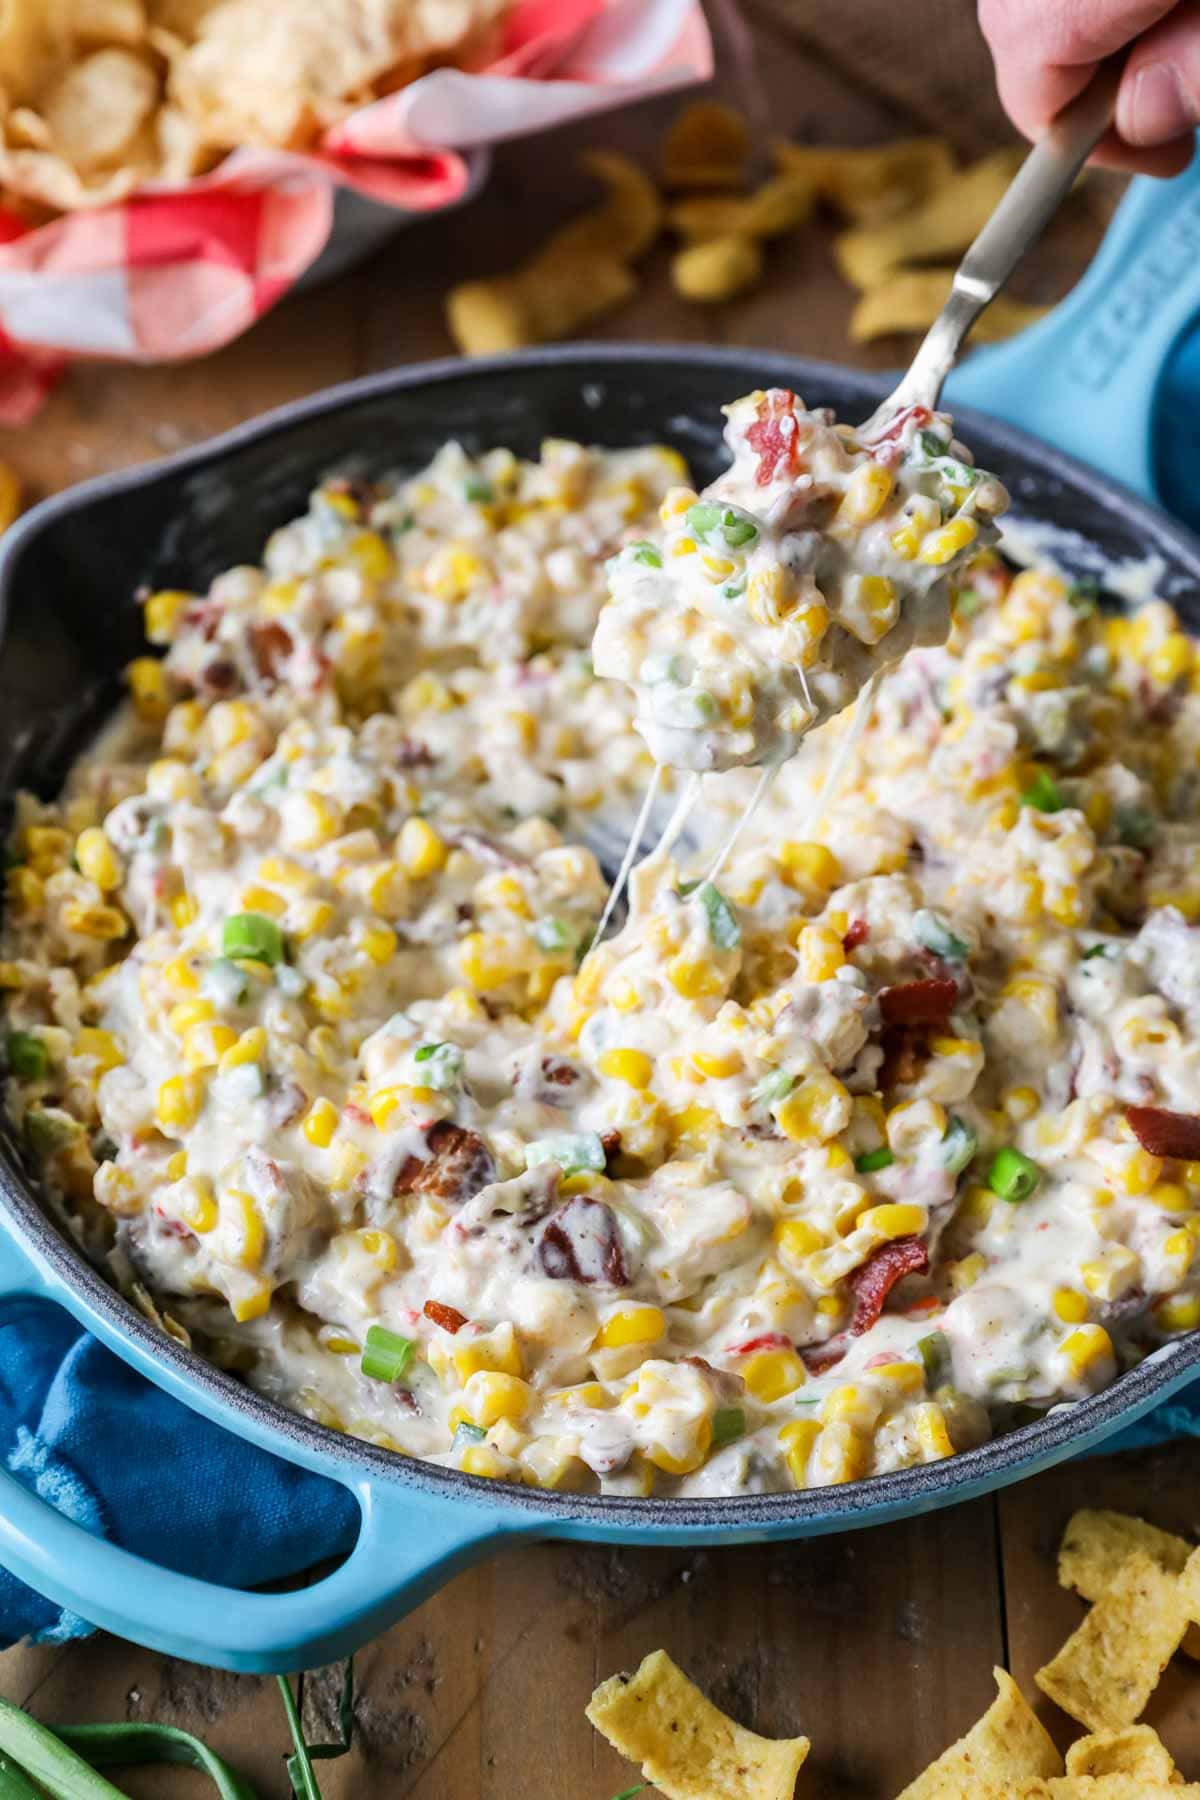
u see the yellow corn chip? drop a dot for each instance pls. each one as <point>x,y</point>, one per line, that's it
<point>780,205</point>
<point>718,269</point>
<point>1007,1746</point>
<point>910,300</point>
<point>869,186</point>
<point>706,146</point>
<point>1096,1544</point>
<point>110,22</point>
<point>1102,1787</point>
<point>1107,1670</point>
<point>686,1745</point>
<point>942,225</point>
<point>549,297</point>
<point>629,220</point>
<point>1138,1750</point>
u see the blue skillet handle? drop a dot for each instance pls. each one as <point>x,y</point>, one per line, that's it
<point>1084,378</point>
<point>409,1544</point>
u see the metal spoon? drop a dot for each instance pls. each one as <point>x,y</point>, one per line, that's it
<point>1037,191</point>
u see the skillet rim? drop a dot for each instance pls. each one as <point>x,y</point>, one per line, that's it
<point>921,1488</point>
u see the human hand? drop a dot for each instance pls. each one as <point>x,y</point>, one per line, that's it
<point>1046,52</point>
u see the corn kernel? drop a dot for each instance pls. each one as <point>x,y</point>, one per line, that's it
<point>187,1013</point>
<point>240,1207</point>
<point>694,978</point>
<point>1071,1306</point>
<point>104,922</point>
<point>1087,1347</point>
<point>867,493</point>
<point>499,1352</point>
<point>420,848</point>
<point>717,1066</point>
<point>263,900</point>
<point>490,1397</point>
<point>199,1209</point>
<point>633,1067</point>
<point>205,1044</point>
<point>686,1461</point>
<point>932,1434</point>
<point>101,1046</point>
<point>1173,658</point>
<point>452,571</point>
<point>798,1439</point>
<point>184,911</point>
<point>347,1164</point>
<point>98,860</point>
<point>809,865</point>
<point>148,689</point>
<point>251,1047</point>
<point>176,1166</point>
<point>941,547</point>
<point>180,977</point>
<point>180,1099</point>
<point>283,872</point>
<point>894,1220</point>
<point>310,820</point>
<point>770,1374</point>
<point>1020,1103</point>
<point>632,1325</point>
<point>320,1123</point>
<point>820,953</point>
<point>815,1111</point>
<point>378,942</point>
<point>230,723</point>
<point>1179,1312</point>
<point>797,1238</point>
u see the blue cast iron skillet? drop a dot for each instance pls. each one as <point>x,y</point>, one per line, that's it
<point>68,573</point>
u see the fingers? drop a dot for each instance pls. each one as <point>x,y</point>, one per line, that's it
<point>1159,100</point>
<point>1163,160</point>
<point>1046,51</point>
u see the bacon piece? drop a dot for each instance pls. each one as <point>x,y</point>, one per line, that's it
<point>581,1242</point>
<point>610,1143</point>
<point>857,932</point>
<point>271,645</point>
<point>459,1164</point>
<point>818,1359</point>
<point>448,1317</point>
<point>873,1281</point>
<point>1165,1133</point>
<point>218,677</point>
<point>775,436</point>
<point>558,1072</point>
<point>919,1002</point>
<point>412,754</point>
<point>286,1103</point>
<point>905,1054</point>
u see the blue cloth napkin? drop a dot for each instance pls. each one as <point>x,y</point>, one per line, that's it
<point>199,1499</point>
<point>193,1497</point>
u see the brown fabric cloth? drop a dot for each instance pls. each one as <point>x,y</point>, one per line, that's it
<point>928,62</point>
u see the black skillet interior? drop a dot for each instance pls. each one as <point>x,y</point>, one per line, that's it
<point>69,575</point>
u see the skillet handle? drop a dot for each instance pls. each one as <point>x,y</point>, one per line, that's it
<point>409,1544</point>
<point>1085,377</point>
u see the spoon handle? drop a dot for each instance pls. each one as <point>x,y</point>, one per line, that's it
<point>1037,191</point>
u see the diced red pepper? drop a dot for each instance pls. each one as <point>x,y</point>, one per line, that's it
<point>873,1281</point>
<point>1165,1133</point>
<point>448,1317</point>
<point>775,435</point>
<point>766,1340</point>
<point>919,1002</point>
<point>857,932</point>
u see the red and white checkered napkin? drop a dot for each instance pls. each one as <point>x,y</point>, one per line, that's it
<point>177,271</point>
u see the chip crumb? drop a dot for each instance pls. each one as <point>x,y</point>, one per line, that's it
<point>1107,1670</point>
<point>687,1746</point>
<point>1005,1748</point>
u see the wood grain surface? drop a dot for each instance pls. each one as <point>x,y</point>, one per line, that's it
<point>878,1644</point>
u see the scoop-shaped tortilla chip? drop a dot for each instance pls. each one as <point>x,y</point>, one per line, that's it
<point>706,146</point>
<point>1008,1746</point>
<point>630,218</point>
<point>869,186</point>
<point>1107,1670</point>
<point>685,1744</point>
<point>98,105</point>
<point>1097,1544</point>
<point>910,300</point>
<point>943,225</point>
<point>1138,1750</point>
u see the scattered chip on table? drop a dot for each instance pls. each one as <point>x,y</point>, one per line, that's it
<point>1138,1750</point>
<point>911,299</point>
<point>1006,1747</point>
<point>943,225</point>
<point>1107,1670</point>
<point>717,270</point>
<point>1097,1544</point>
<point>706,146</point>
<point>627,222</point>
<point>687,1746</point>
<point>869,186</point>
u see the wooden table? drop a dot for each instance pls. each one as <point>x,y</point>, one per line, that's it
<point>878,1644</point>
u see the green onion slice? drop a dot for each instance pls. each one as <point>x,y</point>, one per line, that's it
<point>575,1152</point>
<point>729,1422</point>
<point>253,936</point>
<point>1044,793</point>
<point>1013,1175</point>
<point>723,927</point>
<point>958,1145</point>
<point>27,1055</point>
<point>870,1160</point>
<point>386,1355</point>
<point>648,554</point>
<point>934,934</point>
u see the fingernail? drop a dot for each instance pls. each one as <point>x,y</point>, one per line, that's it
<point>1157,108</point>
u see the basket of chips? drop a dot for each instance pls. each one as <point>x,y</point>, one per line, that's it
<point>169,169</point>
